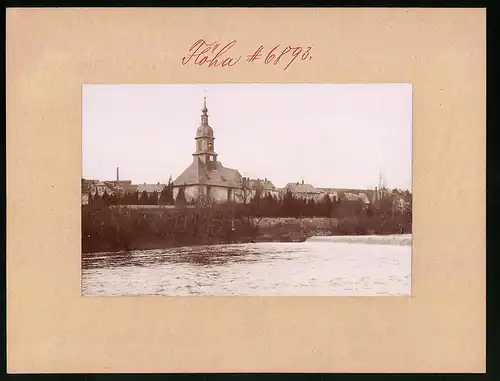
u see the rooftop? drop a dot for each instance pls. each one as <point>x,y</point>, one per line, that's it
<point>302,188</point>
<point>150,188</point>
<point>213,173</point>
<point>261,184</point>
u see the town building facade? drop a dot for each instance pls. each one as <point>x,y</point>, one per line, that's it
<point>262,187</point>
<point>303,191</point>
<point>207,180</point>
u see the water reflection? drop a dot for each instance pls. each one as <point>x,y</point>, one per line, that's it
<point>308,268</point>
<point>195,255</point>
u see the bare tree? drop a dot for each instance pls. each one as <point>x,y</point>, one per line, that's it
<point>250,207</point>
<point>333,224</point>
<point>253,222</point>
<point>204,201</point>
<point>245,194</point>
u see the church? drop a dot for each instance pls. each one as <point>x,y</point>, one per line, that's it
<point>206,178</point>
<point>207,181</point>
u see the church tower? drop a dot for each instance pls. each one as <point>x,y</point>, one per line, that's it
<point>205,139</point>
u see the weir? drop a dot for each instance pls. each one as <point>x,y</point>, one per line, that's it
<point>400,239</point>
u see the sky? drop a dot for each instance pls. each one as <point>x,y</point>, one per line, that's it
<point>329,135</point>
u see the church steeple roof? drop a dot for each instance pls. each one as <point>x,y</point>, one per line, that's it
<point>204,130</point>
<point>204,109</point>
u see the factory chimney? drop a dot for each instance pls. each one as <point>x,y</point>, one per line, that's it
<point>117,174</point>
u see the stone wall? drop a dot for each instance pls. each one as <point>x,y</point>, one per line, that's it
<point>148,206</point>
<point>307,223</point>
<point>218,194</point>
<point>190,192</point>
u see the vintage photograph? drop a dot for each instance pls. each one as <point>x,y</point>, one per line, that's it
<point>246,189</point>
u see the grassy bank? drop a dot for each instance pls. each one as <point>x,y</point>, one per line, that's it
<point>121,228</point>
<point>114,229</point>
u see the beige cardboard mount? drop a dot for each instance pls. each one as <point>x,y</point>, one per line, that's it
<point>52,328</point>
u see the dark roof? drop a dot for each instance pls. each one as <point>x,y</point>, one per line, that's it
<point>212,173</point>
<point>189,176</point>
<point>204,131</point>
<point>130,188</point>
<point>358,197</point>
<point>261,184</point>
<point>341,191</point>
<point>302,188</point>
<point>119,182</point>
<point>150,188</point>
<point>121,186</point>
<point>100,184</point>
<point>86,184</point>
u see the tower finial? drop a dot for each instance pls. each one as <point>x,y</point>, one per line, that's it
<point>204,109</point>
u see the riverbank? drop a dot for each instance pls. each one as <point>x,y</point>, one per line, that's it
<point>119,238</point>
<point>124,229</point>
<point>399,240</point>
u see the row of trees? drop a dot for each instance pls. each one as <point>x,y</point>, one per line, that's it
<point>106,228</point>
<point>165,197</point>
<point>290,206</point>
<point>260,205</point>
<point>265,205</point>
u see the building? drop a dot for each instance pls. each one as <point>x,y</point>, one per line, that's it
<point>364,196</point>
<point>206,178</point>
<point>264,187</point>
<point>120,186</point>
<point>304,191</point>
<point>332,193</point>
<point>85,198</point>
<point>399,205</point>
<point>150,189</point>
<point>111,186</point>
<point>86,184</point>
<point>357,197</point>
<point>130,188</point>
<point>100,187</point>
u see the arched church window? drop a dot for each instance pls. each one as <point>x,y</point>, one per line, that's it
<point>210,145</point>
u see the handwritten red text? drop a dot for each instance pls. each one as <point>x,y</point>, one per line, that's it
<point>215,55</point>
<point>210,54</point>
<point>287,55</point>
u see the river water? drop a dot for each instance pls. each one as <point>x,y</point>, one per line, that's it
<point>314,268</point>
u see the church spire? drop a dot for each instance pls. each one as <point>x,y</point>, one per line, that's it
<point>204,110</point>
<point>205,138</point>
